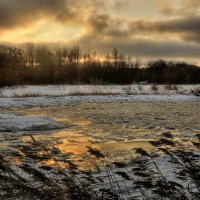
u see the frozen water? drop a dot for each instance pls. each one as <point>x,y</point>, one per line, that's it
<point>13,122</point>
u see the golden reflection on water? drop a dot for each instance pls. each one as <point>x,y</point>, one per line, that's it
<point>72,142</point>
<point>108,147</point>
<point>76,143</point>
<point>82,123</point>
<point>74,147</point>
<point>64,119</point>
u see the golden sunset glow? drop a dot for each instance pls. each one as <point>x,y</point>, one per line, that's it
<point>149,29</point>
<point>37,34</point>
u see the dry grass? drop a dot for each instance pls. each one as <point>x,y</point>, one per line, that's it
<point>73,93</point>
<point>154,87</point>
<point>93,93</point>
<point>146,179</point>
<point>140,87</point>
<point>196,92</point>
<point>27,95</point>
<point>128,90</point>
<point>171,87</point>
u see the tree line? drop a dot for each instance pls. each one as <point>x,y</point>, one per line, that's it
<point>39,64</point>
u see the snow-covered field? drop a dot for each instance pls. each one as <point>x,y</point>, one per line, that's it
<point>68,100</point>
<point>63,95</point>
<point>42,96</point>
<point>81,90</point>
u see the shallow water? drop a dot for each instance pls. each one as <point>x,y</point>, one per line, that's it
<point>114,128</point>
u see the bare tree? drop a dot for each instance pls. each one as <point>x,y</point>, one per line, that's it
<point>30,54</point>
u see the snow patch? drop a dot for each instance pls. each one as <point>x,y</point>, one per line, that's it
<point>12,122</point>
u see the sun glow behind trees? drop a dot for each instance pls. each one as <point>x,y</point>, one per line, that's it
<point>35,64</point>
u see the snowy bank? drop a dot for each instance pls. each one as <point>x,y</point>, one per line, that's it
<point>70,100</point>
<point>12,122</point>
<point>81,90</point>
<point>61,95</point>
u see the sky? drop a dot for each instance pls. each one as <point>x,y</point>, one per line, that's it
<point>149,29</point>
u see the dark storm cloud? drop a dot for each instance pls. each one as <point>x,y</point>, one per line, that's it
<point>188,26</point>
<point>185,28</point>
<point>142,47</point>
<point>14,13</point>
<point>106,26</point>
<point>105,32</point>
<point>22,12</point>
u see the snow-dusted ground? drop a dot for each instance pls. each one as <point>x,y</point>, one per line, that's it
<point>79,90</point>
<point>56,95</point>
<point>61,95</point>
<point>61,101</point>
<point>12,122</point>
